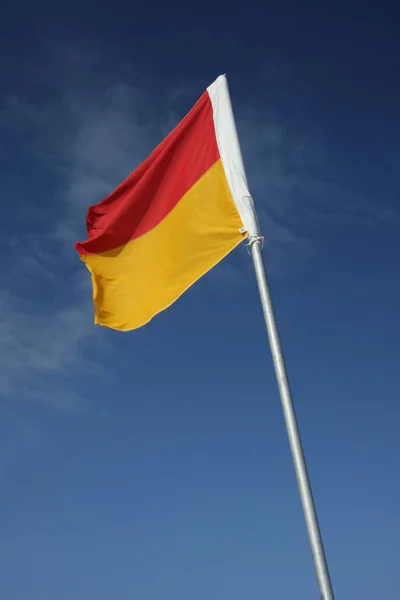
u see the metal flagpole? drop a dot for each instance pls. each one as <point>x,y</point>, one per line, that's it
<point>232,162</point>
<point>300,467</point>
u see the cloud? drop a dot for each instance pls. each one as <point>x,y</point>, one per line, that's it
<point>41,341</point>
<point>82,144</point>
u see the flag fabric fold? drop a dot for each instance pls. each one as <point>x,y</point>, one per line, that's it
<point>173,219</point>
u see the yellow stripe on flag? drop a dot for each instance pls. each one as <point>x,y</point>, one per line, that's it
<point>134,282</point>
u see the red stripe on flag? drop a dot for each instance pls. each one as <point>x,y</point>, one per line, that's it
<point>149,194</point>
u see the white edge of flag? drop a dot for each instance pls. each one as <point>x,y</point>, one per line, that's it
<point>230,153</point>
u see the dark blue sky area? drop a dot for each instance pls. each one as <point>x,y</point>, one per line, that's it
<point>155,464</point>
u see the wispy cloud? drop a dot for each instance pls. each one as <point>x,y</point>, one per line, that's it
<point>41,341</point>
<point>83,144</point>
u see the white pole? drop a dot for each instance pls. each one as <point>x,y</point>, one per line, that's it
<point>300,467</point>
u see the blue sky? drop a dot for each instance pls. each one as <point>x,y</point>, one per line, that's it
<point>155,464</point>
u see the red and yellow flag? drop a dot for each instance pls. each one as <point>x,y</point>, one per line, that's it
<point>173,219</point>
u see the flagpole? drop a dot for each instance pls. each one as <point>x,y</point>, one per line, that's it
<point>300,467</point>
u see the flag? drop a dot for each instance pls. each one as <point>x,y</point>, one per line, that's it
<point>172,220</point>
